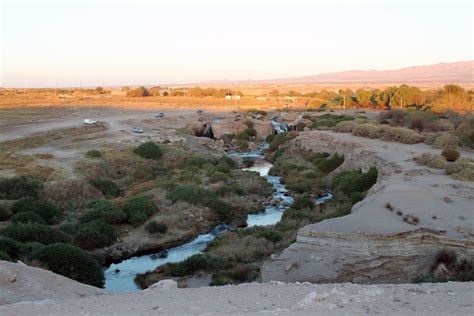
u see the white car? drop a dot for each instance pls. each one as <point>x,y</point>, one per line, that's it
<point>89,121</point>
<point>138,130</point>
<point>158,115</point>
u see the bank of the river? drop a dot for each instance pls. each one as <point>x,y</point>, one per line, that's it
<point>120,276</point>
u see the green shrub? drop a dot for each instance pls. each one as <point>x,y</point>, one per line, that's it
<point>302,202</point>
<point>450,154</point>
<point>94,153</point>
<point>35,233</point>
<point>349,182</point>
<point>196,161</point>
<point>68,228</point>
<point>279,140</point>
<point>229,162</point>
<point>47,211</point>
<point>192,194</point>
<point>5,213</point>
<point>27,217</point>
<point>269,138</point>
<point>72,262</point>
<point>95,234</point>
<point>218,177</point>
<point>137,218</point>
<point>252,132</point>
<point>199,262</point>
<point>139,208</point>
<point>218,280</point>
<point>233,188</point>
<point>107,187</point>
<point>149,150</point>
<point>329,164</point>
<point>156,228</point>
<point>104,210</point>
<point>242,136</point>
<point>20,187</point>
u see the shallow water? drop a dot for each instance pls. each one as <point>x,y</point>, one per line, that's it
<point>123,280</point>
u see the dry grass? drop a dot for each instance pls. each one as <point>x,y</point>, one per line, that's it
<point>70,194</point>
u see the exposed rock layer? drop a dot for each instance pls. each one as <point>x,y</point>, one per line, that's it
<point>374,244</point>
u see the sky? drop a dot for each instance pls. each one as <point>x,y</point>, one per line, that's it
<point>117,43</point>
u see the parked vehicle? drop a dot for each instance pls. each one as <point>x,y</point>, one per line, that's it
<point>199,111</point>
<point>137,130</point>
<point>158,115</point>
<point>89,121</point>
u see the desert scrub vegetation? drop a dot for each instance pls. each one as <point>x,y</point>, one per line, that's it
<point>95,234</point>
<point>94,153</point>
<point>236,255</point>
<point>18,187</point>
<point>71,262</point>
<point>461,168</point>
<point>47,211</point>
<point>149,150</point>
<point>448,266</point>
<point>138,209</point>
<point>70,194</point>
<point>450,154</point>
<point>328,120</point>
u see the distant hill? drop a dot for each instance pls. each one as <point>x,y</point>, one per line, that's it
<point>458,72</point>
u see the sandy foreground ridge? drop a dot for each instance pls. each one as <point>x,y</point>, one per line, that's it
<point>32,291</point>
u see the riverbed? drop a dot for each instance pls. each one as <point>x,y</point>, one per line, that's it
<point>120,277</point>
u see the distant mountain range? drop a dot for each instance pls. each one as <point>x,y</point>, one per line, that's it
<point>458,72</point>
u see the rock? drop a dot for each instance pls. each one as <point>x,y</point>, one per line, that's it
<point>6,275</point>
<point>167,284</point>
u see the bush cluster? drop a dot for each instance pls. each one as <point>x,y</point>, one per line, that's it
<point>200,196</point>
<point>95,234</point>
<point>47,211</point>
<point>350,182</point>
<point>149,150</point>
<point>388,133</point>
<point>104,210</point>
<point>72,262</point>
<point>199,262</point>
<point>139,209</point>
<point>20,187</point>
<point>27,217</point>
<point>34,232</point>
<point>107,187</point>
<point>329,120</point>
<point>94,153</point>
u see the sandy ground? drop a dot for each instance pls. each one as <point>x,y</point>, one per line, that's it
<point>271,298</point>
<point>19,283</point>
<point>413,189</point>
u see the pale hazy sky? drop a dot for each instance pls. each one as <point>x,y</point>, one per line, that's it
<point>44,43</point>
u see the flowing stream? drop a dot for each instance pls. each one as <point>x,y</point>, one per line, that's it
<point>120,277</point>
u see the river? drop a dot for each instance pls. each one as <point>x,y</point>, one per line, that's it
<point>120,277</point>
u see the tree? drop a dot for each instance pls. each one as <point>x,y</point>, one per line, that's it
<point>138,92</point>
<point>364,97</point>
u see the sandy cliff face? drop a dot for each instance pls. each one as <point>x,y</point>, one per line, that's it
<point>374,244</point>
